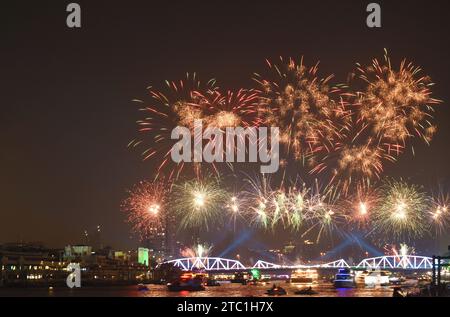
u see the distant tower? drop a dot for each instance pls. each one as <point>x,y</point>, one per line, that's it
<point>86,237</point>
<point>98,238</point>
<point>169,232</point>
<point>156,239</point>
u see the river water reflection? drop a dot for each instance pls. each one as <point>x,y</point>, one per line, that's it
<point>225,290</point>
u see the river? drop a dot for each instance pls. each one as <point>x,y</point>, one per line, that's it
<point>226,290</point>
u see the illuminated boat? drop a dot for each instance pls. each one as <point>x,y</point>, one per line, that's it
<point>240,278</point>
<point>307,276</point>
<point>396,279</point>
<point>187,282</point>
<point>257,283</point>
<point>142,287</point>
<point>344,279</point>
<point>276,291</point>
<point>306,291</point>
<point>377,278</point>
<point>398,292</point>
<point>212,282</point>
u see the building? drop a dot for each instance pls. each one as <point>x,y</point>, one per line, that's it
<point>32,264</point>
<point>77,252</point>
<point>23,264</point>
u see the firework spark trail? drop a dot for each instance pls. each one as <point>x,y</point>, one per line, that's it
<point>231,109</point>
<point>146,207</point>
<point>270,207</point>
<point>324,212</point>
<point>197,251</point>
<point>404,250</point>
<point>235,210</point>
<point>256,199</point>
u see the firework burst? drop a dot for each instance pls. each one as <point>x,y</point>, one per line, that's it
<point>300,104</point>
<point>403,251</point>
<point>235,209</point>
<point>402,211</point>
<point>199,202</point>
<point>179,104</point>
<point>257,198</point>
<point>146,208</point>
<point>361,206</point>
<point>324,214</point>
<point>396,105</point>
<point>439,213</point>
<point>294,208</point>
<point>197,251</point>
<point>270,208</point>
<point>231,109</point>
<point>393,107</point>
<point>353,167</point>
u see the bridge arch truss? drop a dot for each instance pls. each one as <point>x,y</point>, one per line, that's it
<point>406,262</point>
<point>206,263</point>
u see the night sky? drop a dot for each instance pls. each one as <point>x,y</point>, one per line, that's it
<point>66,114</point>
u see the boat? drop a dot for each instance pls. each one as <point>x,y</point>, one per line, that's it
<point>256,283</point>
<point>377,278</point>
<point>398,292</point>
<point>240,278</point>
<point>306,291</point>
<point>212,282</point>
<point>307,276</point>
<point>223,282</point>
<point>345,278</point>
<point>396,279</point>
<point>360,276</point>
<point>276,291</point>
<point>185,286</point>
<point>142,287</point>
<point>186,282</point>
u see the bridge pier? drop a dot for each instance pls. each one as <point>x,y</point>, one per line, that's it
<point>437,278</point>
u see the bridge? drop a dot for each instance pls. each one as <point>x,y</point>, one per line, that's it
<point>407,262</point>
<point>207,263</point>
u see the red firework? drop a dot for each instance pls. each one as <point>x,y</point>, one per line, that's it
<point>146,207</point>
